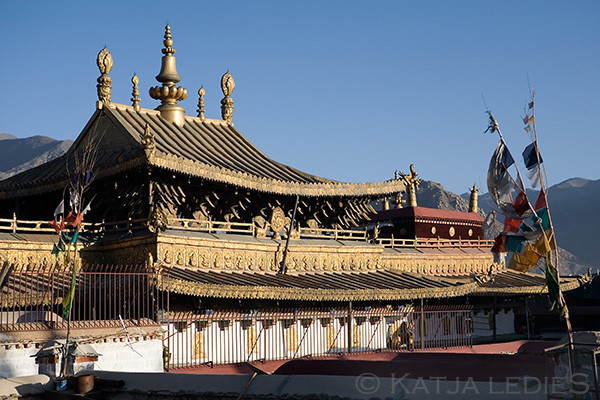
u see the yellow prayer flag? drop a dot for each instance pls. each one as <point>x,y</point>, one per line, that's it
<point>530,255</point>
<point>518,263</point>
<point>545,243</point>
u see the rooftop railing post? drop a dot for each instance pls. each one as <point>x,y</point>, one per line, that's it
<point>349,347</point>
<point>14,223</point>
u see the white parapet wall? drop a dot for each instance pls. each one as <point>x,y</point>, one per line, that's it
<point>142,354</point>
<point>483,325</point>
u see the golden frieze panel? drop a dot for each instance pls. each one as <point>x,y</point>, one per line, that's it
<point>441,264</point>
<point>259,257</point>
<point>29,255</point>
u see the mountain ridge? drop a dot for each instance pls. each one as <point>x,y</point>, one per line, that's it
<point>20,154</point>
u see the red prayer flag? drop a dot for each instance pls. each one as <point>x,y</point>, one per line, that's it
<point>541,201</point>
<point>526,119</point>
<point>54,224</point>
<point>511,225</point>
<point>70,218</point>
<point>521,204</point>
<point>78,221</point>
<point>499,244</point>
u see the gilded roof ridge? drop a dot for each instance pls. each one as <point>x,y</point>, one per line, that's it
<point>118,106</point>
<point>271,185</point>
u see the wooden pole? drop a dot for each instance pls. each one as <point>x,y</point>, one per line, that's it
<point>283,267</point>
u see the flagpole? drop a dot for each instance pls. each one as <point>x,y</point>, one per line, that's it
<point>561,300</point>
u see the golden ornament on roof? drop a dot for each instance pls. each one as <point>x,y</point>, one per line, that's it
<point>227,84</point>
<point>104,61</point>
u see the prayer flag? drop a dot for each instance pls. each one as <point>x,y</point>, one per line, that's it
<point>54,225</point>
<point>514,243</point>
<point>530,105</point>
<point>498,246</point>
<point>55,251</point>
<point>68,299</point>
<point>87,208</point>
<point>534,177</point>
<point>530,156</point>
<point>511,225</point>
<point>61,243</point>
<point>554,290</point>
<point>70,219</point>
<point>526,119</point>
<point>74,200</point>
<point>527,128</point>
<point>541,201</point>
<point>60,209</point>
<point>542,221</point>
<point>531,255</point>
<point>545,243</point>
<point>89,176</point>
<point>518,263</point>
<point>505,187</point>
<point>500,183</point>
<point>521,204</point>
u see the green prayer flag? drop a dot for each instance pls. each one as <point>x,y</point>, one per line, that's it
<point>75,236</point>
<point>514,243</point>
<point>61,244</point>
<point>554,290</point>
<point>55,251</point>
<point>68,299</point>
<point>542,220</point>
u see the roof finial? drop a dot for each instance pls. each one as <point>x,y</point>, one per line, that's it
<point>227,86</point>
<point>135,93</point>
<point>473,206</point>
<point>105,64</point>
<point>200,109</point>
<point>412,182</point>
<point>168,94</point>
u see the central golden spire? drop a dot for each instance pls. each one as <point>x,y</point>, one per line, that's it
<point>168,94</point>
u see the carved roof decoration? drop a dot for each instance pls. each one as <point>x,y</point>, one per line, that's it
<point>349,286</point>
<point>209,149</point>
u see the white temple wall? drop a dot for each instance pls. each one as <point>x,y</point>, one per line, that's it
<point>483,325</point>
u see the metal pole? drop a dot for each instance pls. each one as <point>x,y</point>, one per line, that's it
<point>422,326</point>
<point>349,327</point>
<point>494,319</point>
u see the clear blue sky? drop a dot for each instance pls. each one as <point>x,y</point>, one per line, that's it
<point>345,90</point>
